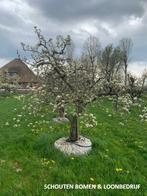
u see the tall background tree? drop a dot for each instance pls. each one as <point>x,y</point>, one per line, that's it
<point>126,45</point>
<point>110,63</point>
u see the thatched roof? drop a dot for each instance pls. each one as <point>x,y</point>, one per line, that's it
<point>23,71</point>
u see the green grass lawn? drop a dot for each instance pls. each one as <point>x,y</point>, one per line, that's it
<point>118,156</point>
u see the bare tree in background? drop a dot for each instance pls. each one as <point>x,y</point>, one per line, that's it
<point>110,62</point>
<point>91,49</point>
<point>91,54</point>
<point>126,45</point>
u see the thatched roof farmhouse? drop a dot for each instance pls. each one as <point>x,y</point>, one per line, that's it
<point>18,68</point>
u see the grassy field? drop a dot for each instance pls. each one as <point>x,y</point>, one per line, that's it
<point>28,159</point>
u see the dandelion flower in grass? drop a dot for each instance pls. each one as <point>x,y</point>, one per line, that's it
<point>17,167</point>
<point>118,169</point>
<point>106,156</point>
<point>18,170</point>
<point>53,161</point>
<point>45,162</point>
<point>140,146</point>
<point>72,158</point>
<point>121,123</point>
<point>2,162</point>
<point>92,179</point>
<point>7,123</point>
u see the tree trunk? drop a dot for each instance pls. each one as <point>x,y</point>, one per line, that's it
<point>61,112</point>
<point>116,103</point>
<point>74,129</point>
<point>126,75</point>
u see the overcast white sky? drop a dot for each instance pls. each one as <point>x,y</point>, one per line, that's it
<point>109,20</point>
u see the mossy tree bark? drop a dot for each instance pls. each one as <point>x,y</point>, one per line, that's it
<point>61,112</point>
<point>73,129</point>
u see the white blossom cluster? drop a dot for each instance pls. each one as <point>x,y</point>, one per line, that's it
<point>59,103</point>
<point>143,116</point>
<point>88,120</point>
<point>125,102</point>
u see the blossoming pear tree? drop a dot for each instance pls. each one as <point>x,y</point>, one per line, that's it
<point>71,83</point>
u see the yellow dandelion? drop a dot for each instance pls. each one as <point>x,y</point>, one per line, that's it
<point>7,123</point>
<point>92,179</point>
<point>118,169</point>
<point>18,170</point>
<point>2,162</point>
<point>140,146</point>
